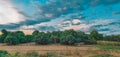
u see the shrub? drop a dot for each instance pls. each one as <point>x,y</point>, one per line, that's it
<point>51,54</point>
<point>103,55</point>
<point>11,40</point>
<point>112,38</point>
<point>109,43</point>
<point>32,54</point>
<point>3,53</point>
<point>14,55</point>
<point>90,41</point>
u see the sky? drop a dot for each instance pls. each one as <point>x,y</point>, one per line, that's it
<point>54,15</point>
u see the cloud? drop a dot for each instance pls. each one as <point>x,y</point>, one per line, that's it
<point>43,15</point>
<point>8,13</point>
<point>76,21</point>
<point>106,26</point>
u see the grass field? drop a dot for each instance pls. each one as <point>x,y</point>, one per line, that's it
<point>68,51</point>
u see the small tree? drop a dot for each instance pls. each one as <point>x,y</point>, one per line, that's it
<point>11,40</point>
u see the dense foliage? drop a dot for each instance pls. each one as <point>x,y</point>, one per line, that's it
<point>11,40</point>
<point>67,37</point>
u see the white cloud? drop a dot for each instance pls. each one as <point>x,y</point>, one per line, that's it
<point>8,13</point>
<point>76,21</point>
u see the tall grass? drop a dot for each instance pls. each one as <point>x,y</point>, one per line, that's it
<point>103,55</point>
<point>108,43</point>
<point>29,54</point>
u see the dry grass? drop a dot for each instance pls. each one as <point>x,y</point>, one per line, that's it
<point>68,51</point>
<point>22,48</point>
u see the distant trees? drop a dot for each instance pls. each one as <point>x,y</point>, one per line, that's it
<point>67,37</point>
<point>112,38</point>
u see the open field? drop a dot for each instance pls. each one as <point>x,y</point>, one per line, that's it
<point>22,48</point>
<point>69,51</point>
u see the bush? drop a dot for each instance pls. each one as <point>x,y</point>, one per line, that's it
<point>103,55</point>
<point>32,54</point>
<point>11,40</point>
<point>90,41</point>
<point>108,43</point>
<point>112,38</point>
<point>51,54</point>
<point>3,53</point>
<point>68,40</point>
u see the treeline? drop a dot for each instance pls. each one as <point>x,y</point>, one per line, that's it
<point>67,37</point>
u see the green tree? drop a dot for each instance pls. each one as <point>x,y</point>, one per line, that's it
<point>3,36</point>
<point>68,40</point>
<point>42,39</point>
<point>11,40</point>
<point>30,38</point>
<point>4,31</point>
<point>95,35</point>
<point>36,32</point>
<point>21,36</point>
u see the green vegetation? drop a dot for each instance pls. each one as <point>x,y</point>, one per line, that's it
<point>109,47</point>
<point>68,40</point>
<point>67,37</point>
<point>3,53</point>
<point>11,40</point>
<point>29,54</point>
<point>42,39</point>
<point>103,55</point>
<point>108,43</point>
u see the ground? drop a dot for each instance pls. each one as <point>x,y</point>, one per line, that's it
<point>83,50</point>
